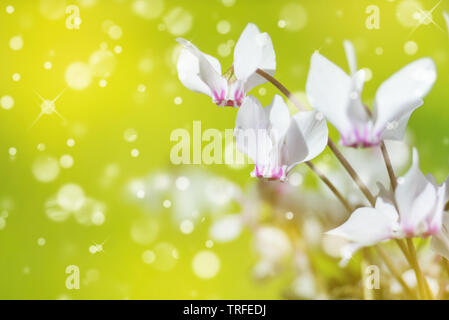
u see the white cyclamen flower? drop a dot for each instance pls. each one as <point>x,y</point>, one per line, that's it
<point>440,241</point>
<point>417,213</point>
<point>276,142</point>
<point>201,72</point>
<point>338,96</point>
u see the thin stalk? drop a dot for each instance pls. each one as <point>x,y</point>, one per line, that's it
<point>412,258</point>
<point>330,185</point>
<point>386,157</point>
<point>403,248</point>
<point>351,172</point>
<point>396,274</point>
<point>282,89</point>
<point>393,180</point>
<point>421,280</point>
<point>445,265</point>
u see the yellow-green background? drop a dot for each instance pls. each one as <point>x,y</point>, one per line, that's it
<point>106,112</point>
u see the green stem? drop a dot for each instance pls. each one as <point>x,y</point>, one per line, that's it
<point>421,280</point>
<point>330,185</point>
<point>282,89</point>
<point>351,172</point>
<point>396,274</point>
<point>389,166</point>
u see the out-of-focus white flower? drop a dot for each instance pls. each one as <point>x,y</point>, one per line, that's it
<point>272,244</point>
<point>276,142</point>
<point>418,213</point>
<point>227,228</point>
<point>440,241</point>
<point>305,286</point>
<point>201,72</point>
<point>338,96</point>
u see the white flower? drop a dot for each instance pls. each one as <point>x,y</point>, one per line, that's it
<point>272,244</point>
<point>440,241</point>
<point>201,72</point>
<point>417,213</point>
<point>276,142</point>
<point>338,95</point>
<point>226,228</point>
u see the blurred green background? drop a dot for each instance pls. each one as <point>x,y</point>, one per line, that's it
<point>120,101</point>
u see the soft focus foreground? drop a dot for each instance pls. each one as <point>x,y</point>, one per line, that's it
<point>91,205</point>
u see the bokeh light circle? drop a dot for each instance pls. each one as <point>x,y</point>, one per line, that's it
<point>206,264</point>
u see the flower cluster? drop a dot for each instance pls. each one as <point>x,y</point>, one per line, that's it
<point>276,141</point>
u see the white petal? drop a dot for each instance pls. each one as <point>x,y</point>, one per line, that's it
<point>279,116</point>
<point>440,242</point>
<point>272,243</point>
<point>356,109</point>
<point>328,89</point>
<point>251,115</point>
<point>446,197</point>
<point>350,56</point>
<point>253,50</point>
<point>188,70</point>
<point>314,130</point>
<point>400,93</point>
<point>251,130</point>
<point>436,221</point>
<point>395,130</point>
<point>415,197</point>
<point>294,150</point>
<point>207,69</point>
<point>365,227</point>
<point>387,208</point>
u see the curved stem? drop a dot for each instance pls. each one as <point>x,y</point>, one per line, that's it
<point>282,89</point>
<point>396,274</point>
<point>386,157</point>
<point>393,180</point>
<point>351,172</point>
<point>421,280</point>
<point>330,185</point>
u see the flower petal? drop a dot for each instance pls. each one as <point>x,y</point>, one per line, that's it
<point>446,196</point>
<point>399,94</point>
<point>440,242</point>
<point>396,129</point>
<point>314,130</point>
<point>416,198</point>
<point>251,131</point>
<point>350,56</point>
<point>365,227</point>
<point>188,70</point>
<point>279,117</point>
<point>206,68</point>
<point>253,50</point>
<point>328,89</point>
<point>356,110</point>
<point>294,150</point>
